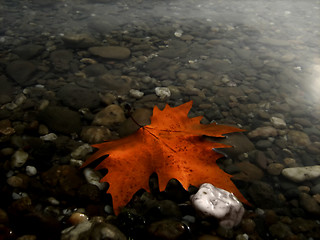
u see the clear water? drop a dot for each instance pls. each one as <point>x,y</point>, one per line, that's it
<point>241,62</point>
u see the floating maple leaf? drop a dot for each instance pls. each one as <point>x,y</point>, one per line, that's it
<point>173,146</point>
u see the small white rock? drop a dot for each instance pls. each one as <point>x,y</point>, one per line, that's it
<point>136,93</point>
<point>211,201</point>
<point>300,174</point>
<point>82,151</point>
<point>53,201</point>
<point>163,92</point>
<point>31,171</point>
<point>278,122</point>
<point>19,158</point>
<point>93,177</point>
<point>49,137</point>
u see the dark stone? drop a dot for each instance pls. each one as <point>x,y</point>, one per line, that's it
<point>21,71</point>
<point>78,97</point>
<point>61,60</point>
<point>95,70</point>
<point>61,119</point>
<point>28,51</point>
<point>263,195</point>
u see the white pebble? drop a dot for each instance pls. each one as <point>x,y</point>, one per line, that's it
<point>163,92</point>
<point>53,201</point>
<point>19,158</point>
<point>76,162</point>
<point>31,170</point>
<point>49,137</point>
<point>136,93</point>
<point>278,122</point>
<point>211,201</point>
<point>82,151</point>
<point>300,174</point>
<point>93,177</point>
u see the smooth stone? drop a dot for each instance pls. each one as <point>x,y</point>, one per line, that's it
<point>110,116</point>
<point>278,122</point>
<point>19,158</point>
<point>78,40</point>
<point>248,172</point>
<point>136,93</point>
<point>82,151</point>
<point>141,117</point>
<point>280,230</point>
<point>31,170</point>
<point>300,174</point>
<point>28,51</point>
<point>309,204</point>
<point>15,181</point>
<point>77,218</point>
<point>61,60</point>
<point>94,177</point>
<point>112,82</point>
<point>111,52</point>
<point>263,144</point>
<point>168,229</point>
<point>275,169</point>
<point>94,70</point>
<point>95,134</point>
<point>78,97</point>
<point>263,132</point>
<point>61,119</point>
<point>298,138</point>
<point>21,71</point>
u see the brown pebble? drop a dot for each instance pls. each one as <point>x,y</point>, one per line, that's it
<point>15,181</point>
<point>248,225</point>
<point>3,216</point>
<point>270,217</point>
<point>77,218</point>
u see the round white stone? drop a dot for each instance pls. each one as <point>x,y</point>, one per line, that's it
<point>300,174</point>
<point>163,92</point>
<point>31,170</point>
<point>19,158</point>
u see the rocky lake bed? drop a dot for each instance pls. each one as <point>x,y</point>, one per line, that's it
<point>73,72</point>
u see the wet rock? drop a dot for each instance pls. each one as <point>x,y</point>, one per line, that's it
<point>93,229</point>
<point>5,127</point>
<point>275,169</point>
<point>93,177</point>
<point>111,82</point>
<point>61,119</point>
<point>111,52</point>
<point>300,174</point>
<point>19,158</point>
<point>77,218</point>
<point>28,51</point>
<point>298,138</point>
<point>248,225</point>
<point>167,229</point>
<point>263,132</point>
<point>141,116</point>
<point>309,204</point>
<point>95,134</point>
<point>136,93</point>
<point>211,201</point>
<point>82,151</point>
<point>61,60</point>
<point>163,92</point>
<point>278,122</point>
<point>110,116</point>
<point>280,230</point>
<point>89,193</point>
<point>15,181</point>
<point>239,142</point>
<point>78,97</point>
<point>95,70</point>
<point>63,179</point>
<point>78,40</point>
<point>248,172</point>
<point>21,71</point>
<point>300,225</point>
<point>263,195</point>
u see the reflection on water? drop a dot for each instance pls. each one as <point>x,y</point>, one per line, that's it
<point>255,64</point>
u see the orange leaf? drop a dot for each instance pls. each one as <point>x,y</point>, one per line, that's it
<point>172,146</point>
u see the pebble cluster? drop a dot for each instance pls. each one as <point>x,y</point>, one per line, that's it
<point>73,71</point>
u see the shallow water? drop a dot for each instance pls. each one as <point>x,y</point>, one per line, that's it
<point>248,63</point>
